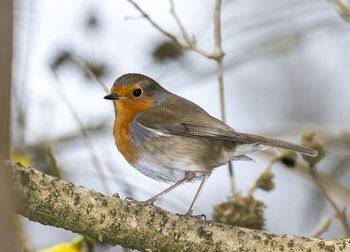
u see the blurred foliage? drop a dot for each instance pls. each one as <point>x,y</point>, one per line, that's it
<point>265,181</point>
<point>21,158</point>
<point>92,22</point>
<point>167,50</point>
<point>309,140</point>
<point>42,158</point>
<point>64,58</point>
<point>240,211</point>
<point>289,158</point>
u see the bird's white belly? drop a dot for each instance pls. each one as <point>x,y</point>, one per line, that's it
<point>171,170</point>
<point>167,157</point>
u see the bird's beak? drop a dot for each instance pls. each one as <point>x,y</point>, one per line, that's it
<point>112,96</point>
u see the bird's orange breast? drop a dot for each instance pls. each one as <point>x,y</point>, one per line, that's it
<point>125,112</point>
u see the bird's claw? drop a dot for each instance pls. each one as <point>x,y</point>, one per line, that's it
<point>130,199</point>
<point>199,217</point>
<point>142,203</point>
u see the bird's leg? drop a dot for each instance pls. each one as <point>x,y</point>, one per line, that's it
<point>188,176</point>
<point>205,178</point>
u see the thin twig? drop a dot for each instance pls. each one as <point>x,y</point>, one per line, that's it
<point>90,73</point>
<point>344,9</point>
<point>179,23</point>
<point>267,169</point>
<point>53,162</point>
<point>331,185</point>
<point>218,51</point>
<point>217,30</point>
<point>219,54</point>
<point>221,88</point>
<point>85,137</point>
<point>322,228</point>
<point>340,215</point>
<point>232,177</point>
<point>169,35</point>
<point>175,39</point>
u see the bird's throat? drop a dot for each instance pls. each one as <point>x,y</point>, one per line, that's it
<point>125,112</point>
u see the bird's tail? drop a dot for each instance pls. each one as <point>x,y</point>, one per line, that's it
<point>280,144</point>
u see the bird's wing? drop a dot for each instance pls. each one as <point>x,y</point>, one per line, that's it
<point>178,116</point>
<point>184,118</point>
<point>212,129</point>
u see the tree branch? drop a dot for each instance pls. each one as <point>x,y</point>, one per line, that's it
<point>51,201</point>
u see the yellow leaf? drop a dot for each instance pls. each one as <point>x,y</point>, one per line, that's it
<point>63,247</point>
<point>23,159</point>
<point>74,246</point>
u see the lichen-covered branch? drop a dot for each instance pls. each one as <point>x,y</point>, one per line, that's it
<point>53,202</point>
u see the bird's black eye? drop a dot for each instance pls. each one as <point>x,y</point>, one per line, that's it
<point>137,92</point>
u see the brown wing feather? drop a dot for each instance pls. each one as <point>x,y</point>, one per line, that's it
<point>280,144</point>
<point>171,118</point>
<point>212,131</point>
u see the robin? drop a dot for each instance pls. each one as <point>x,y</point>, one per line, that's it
<point>171,139</point>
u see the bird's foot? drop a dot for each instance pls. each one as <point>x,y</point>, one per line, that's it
<point>143,203</point>
<point>199,217</point>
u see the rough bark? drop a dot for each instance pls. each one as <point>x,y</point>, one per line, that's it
<point>51,201</point>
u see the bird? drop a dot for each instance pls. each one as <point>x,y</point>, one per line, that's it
<point>171,139</point>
